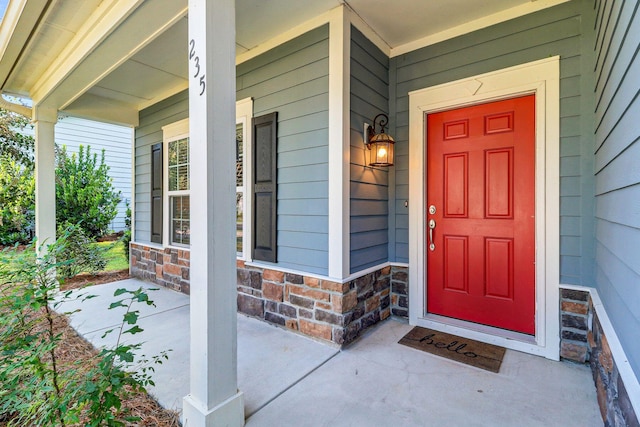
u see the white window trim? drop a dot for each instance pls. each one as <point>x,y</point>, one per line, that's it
<point>541,78</point>
<point>180,130</point>
<point>171,132</point>
<point>244,114</point>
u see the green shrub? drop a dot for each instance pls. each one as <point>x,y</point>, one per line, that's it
<point>17,197</point>
<point>37,390</point>
<point>32,383</point>
<point>84,191</point>
<point>108,384</point>
<point>17,201</point>
<point>76,253</point>
<point>13,144</point>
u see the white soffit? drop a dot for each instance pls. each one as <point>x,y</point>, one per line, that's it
<point>258,21</point>
<point>60,24</point>
<point>159,68</point>
<point>407,25</point>
<point>404,25</point>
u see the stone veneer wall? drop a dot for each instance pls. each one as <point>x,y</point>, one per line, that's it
<point>167,267</point>
<point>400,291</point>
<point>574,315</point>
<point>583,340</point>
<point>336,312</point>
<point>615,406</point>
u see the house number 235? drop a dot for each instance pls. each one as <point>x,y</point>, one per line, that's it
<point>196,62</point>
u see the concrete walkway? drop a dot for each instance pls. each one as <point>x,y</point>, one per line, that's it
<point>290,380</point>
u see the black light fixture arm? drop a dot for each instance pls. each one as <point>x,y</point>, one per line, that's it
<point>382,122</point>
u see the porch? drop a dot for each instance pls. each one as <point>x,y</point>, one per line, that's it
<point>173,70</point>
<point>288,379</point>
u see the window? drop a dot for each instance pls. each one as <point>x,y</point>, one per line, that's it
<point>177,206</point>
<point>178,191</point>
<point>239,187</point>
<point>244,112</point>
<point>177,201</point>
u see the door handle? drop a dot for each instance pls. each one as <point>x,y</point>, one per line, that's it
<point>432,225</point>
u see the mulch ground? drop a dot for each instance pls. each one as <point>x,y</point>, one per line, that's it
<point>82,280</point>
<point>75,348</point>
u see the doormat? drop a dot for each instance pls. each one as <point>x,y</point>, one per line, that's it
<point>471,352</point>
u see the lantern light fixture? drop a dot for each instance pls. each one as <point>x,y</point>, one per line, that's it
<point>379,145</point>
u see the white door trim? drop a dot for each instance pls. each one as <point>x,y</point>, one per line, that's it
<point>541,78</point>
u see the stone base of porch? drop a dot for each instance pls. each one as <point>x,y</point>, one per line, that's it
<point>583,340</point>
<point>330,311</point>
<point>168,267</point>
<point>613,399</point>
<point>574,315</point>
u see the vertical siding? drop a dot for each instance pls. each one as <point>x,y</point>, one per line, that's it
<point>617,175</point>
<point>114,139</point>
<point>554,31</point>
<point>291,79</point>
<point>149,132</point>
<point>369,186</point>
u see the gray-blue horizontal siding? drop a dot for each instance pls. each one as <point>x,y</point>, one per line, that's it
<point>293,79</point>
<point>115,140</point>
<point>369,187</point>
<point>617,175</point>
<point>553,31</point>
<point>149,132</point>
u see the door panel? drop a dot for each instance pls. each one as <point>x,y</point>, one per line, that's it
<point>481,179</point>
<point>456,184</point>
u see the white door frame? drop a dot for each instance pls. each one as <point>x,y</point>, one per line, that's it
<point>541,78</point>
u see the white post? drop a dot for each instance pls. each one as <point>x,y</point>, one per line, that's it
<point>45,120</point>
<point>339,142</point>
<point>214,398</point>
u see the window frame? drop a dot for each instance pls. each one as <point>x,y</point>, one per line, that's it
<point>179,130</point>
<point>170,133</point>
<point>244,114</point>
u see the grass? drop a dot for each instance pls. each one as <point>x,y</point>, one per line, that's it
<point>114,254</point>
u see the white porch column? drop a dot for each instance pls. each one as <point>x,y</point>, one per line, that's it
<point>214,399</point>
<point>45,120</point>
<point>339,142</point>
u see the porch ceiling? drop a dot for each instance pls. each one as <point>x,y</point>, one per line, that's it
<point>108,59</point>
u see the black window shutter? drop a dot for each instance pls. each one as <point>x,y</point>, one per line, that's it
<point>156,193</point>
<point>265,187</point>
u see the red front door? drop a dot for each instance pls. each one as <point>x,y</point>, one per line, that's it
<point>480,214</point>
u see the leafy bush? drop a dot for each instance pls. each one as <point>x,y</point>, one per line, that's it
<point>13,144</point>
<point>84,191</point>
<point>32,384</point>
<point>76,254</point>
<point>107,384</point>
<point>16,180</point>
<point>17,201</point>
<point>38,389</point>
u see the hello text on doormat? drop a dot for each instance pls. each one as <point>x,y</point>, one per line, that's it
<point>471,352</point>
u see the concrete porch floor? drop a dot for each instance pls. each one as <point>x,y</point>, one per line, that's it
<point>290,380</point>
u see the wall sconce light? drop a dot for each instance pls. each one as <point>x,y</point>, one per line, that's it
<point>380,145</point>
